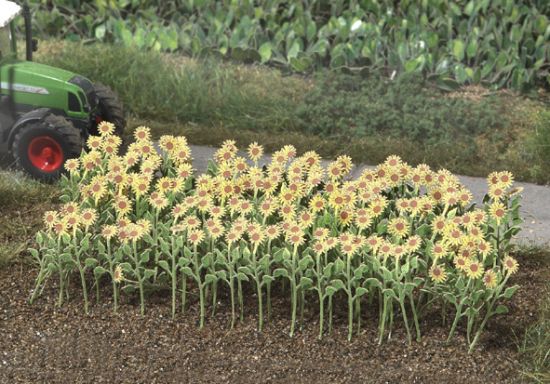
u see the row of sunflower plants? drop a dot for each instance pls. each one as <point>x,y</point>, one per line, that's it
<point>398,241</point>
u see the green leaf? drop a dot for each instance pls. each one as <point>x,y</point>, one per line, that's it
<point>186,271</point>
<point>501,309</point>
<point>373,283</point>
<point>280,272</point>
<point>509,292</point>
<point>458,49</point>
<point>164,265</point>
<point>305,282</point>
<point>90,262</point>
<point>337,284</point>
<point>99,271</point>
<point>210,278</point>
<point>360,292</point>
<point>241,276</point>
<point>144,258</point>
<point>148,273</point>
<point>267,279</point>
<point>265,51</point>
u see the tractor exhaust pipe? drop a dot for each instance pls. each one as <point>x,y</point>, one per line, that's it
<point>28,31</point>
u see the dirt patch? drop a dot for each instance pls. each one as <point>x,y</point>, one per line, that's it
<point>45,344</point>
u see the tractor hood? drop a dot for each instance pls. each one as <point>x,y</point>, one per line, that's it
<point>34,75</point>
<point>41,86</point>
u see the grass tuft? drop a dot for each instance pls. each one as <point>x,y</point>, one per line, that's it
<point>22,203</point>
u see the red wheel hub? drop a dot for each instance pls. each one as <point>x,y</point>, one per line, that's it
<point>45,153</point>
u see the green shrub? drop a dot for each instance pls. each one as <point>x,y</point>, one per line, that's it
<point>345,105</point>
<point>501,42</point>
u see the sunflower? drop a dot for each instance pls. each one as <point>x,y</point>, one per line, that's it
<point>377,206</point>
<point>496,192</point>
<point>255,152</point>
<point>336,200</point>
<point>167,143</point>
<point>373,242</point>
<point>272,232</point>
<point>108,231</point>
<point>398,251</point>
<point>118,275</point>
<point>413,243</point>
<point>362,219</point>
<point>131,158</point>
<point>72,166</point>
<point>398,227</point>
<point>461,263</point>
<point>164,184</point>
<point>73,220</point>
<point>181,154</point>
<point>50,218</point>
<point>510,265</point>
<point>296,239</point>
<point>232,237</point>
<point>349,248</point>
<point>317,203</point>
<point>306,219</point>
<point>195,236</point>
<point>345,163</point>
<point>159,203</point>
<point>142,134</point>
<point>439,250</point>
<point>111,144</point>
<point>216,231</point>
<point>60,227</point>
<point>184,171</point>
<point>88,217</point>
<point>474,269</point>
<point>94,142</point>
<point>438,274</point>
<point>106,128</point>
<point>122,205</point>
<point>320,233</point>
<point>98,187</point>
<point>484,248</point>
<point>497,211</point>
<point>334,170</point>
<point>134,232</point>
<point>490,279</point>
<point>506,179</point>
<point>345,217</point>
<point>191,222</point>
<point>318,247</point>
<point>385,249</point>
<point>256,237</point>
<point>140,184</point>
<point>287,212</point>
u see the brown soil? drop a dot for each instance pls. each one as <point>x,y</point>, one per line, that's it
<point>46,344</point>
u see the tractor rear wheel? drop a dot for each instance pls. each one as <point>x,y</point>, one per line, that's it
<point>110,109</point>
<point>42,147</point>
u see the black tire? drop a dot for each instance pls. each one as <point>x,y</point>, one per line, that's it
<point>54,127</point>
<point>110,109</point>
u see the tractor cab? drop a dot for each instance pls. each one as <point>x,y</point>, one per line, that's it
<point>46,113</point>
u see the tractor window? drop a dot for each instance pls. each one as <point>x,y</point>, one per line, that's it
<point>5,41</point>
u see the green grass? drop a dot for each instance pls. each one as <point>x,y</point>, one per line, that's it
<point>22,204</point>
<point>534,344</point>
<point>470,132</point>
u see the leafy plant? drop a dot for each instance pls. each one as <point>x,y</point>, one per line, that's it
<point>499,42</point>
<point>405,238</point>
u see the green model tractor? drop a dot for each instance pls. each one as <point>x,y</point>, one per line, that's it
<point>46,113</point>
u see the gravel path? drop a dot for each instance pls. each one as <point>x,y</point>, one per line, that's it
<point>535,208</point>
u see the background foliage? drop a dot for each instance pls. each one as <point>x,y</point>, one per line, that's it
<point>499,42</point>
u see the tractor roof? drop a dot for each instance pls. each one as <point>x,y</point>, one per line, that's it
<point>9,11</point>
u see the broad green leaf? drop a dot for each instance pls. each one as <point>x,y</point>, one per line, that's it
<point>458,49</point>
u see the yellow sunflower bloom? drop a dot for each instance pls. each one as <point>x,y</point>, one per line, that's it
<point>142,134</point>
<point>497,211</point>
<point>490,279</point>
<point>106,128</point>
<point>255,152</point>
<point>438,274</point>
<point>474,269</point>
<point>398,227</point>
<point>510,265</point>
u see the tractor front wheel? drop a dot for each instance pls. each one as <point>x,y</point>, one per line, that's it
<point>42,147</point>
